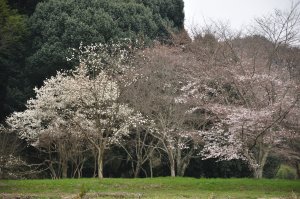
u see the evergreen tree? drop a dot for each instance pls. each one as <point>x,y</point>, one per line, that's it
<point>58,25</point>
<point>172,10</point>
<point>13,32</point>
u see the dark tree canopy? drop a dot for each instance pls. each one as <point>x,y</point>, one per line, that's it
<point>171,10</point>
<point>13,33</point>
<point>58,25</point>
<point>24,6</point>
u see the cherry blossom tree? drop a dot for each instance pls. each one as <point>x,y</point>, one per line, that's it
<point>178,142</point>
<point>250,100</point>
<point>154,91</point>
<point>109,120</point>
<point>47,122</point>
<point>82,103</point>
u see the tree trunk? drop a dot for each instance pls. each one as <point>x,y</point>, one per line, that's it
<point>172,162</point>
<point>79,172</point>
<point>181,167</point>
<point>95,167</point>
<point>151,167</point>
<point>258,172</point>
<point>137,170</point>
<point>262,159</point>
<point>64,169</point>
<point>172,165</point>
<point>178,160</point>
<point>100,162</point>
<point>53,173</point>
<point>181,163</point>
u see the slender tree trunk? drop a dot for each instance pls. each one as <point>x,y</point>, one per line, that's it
<point>95,158</point>
<point>181,163</point>
<point>178,159</point>
<point>100,161</point>
<point>52,170</point>
<point>137,170</point>
<point>64,169</point>
<point>95,167</point>
<point>80,169</point>
<point>172,165</point>
<point>79,172</point>
<point>151,167</point>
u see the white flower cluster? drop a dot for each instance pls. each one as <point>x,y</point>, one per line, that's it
<point>112,57</point>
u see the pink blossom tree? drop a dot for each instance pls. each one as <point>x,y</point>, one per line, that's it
<point>251,101</point>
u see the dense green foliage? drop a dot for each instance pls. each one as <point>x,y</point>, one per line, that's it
<point>13,34</point>
<point>171,10</point>
<point>58,25</point>
<point>154,188</point>
<point>25,7</point>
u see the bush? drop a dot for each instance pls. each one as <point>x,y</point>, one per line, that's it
<point>286,172</point>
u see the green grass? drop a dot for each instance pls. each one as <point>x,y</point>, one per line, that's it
<point>151,188</point>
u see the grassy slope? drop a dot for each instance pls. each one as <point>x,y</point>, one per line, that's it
<point>154,188</point>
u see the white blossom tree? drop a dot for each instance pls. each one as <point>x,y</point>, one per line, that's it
<point>48,123</point>
<point>108,120</point>
<point>83,103</point>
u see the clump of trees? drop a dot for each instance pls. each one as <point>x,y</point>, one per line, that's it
<point>73,110</point>
<point>249,89</point>
<point>221,97</point>
<point>35,43</point>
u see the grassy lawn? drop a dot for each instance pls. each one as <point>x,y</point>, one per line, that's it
<point>150,188</point>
